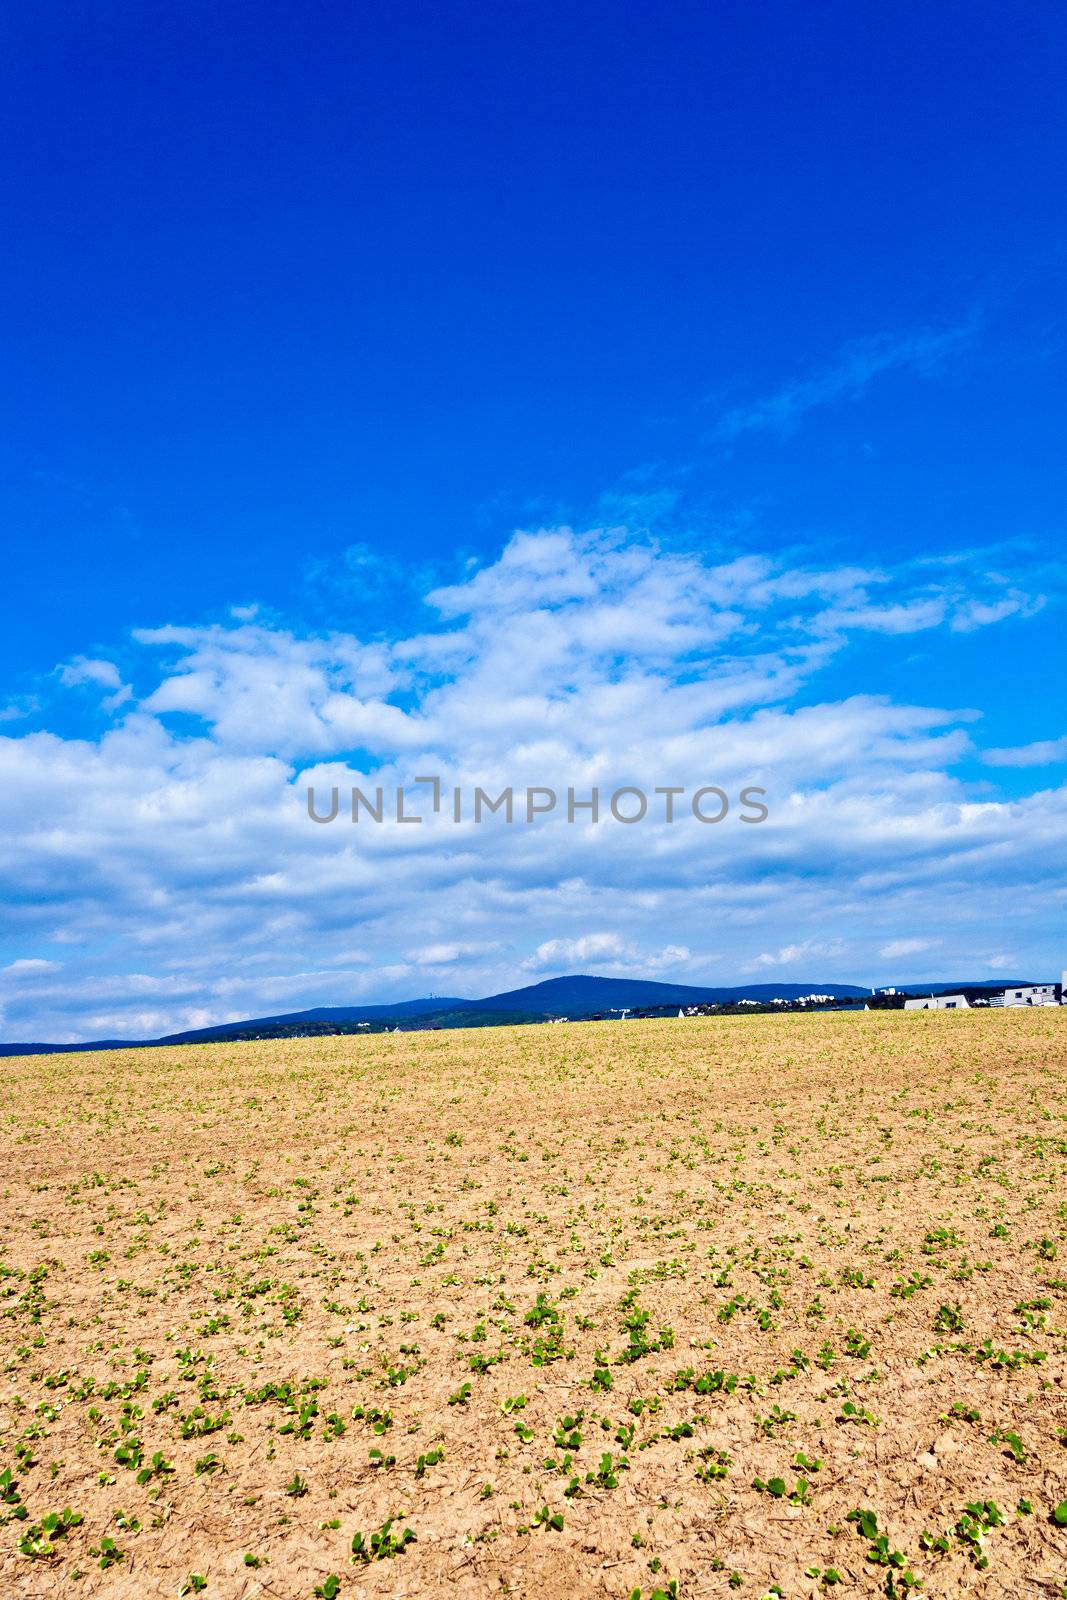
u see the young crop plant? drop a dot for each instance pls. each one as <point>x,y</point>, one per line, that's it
<point>380,1421</point>
<point>776,1418</point>
<point>904,1288</point>
<point>973,1527</point>
<point>567,1435</point>
<point>851,1412</point>
<point>857,1345</point>
<point>382,1545</point>
<point>714,1464</point>
<point>607,1474</point>
<point>40,1539</point>
<point>107,1553</point>
<point>880,1553</point>
<point>778,1489</point>
<point>1011,1441</point>
<point>158,1467</point>
<point>635,1325</point>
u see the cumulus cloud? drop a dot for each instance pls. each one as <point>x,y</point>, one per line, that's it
<point>609,953</point>
<point>170,863</point>
<point>91,670</point>
<point>793,956</point>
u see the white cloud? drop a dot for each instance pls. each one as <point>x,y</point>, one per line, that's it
<point>795,955</point>
<point>559,955</point>
<point>90,670</point>
<point>906,947</point>
<point>978,613</point>
<point>1042,753</point>
<point>87,669</point>
<point>440,955</point>
<point>609,953</point>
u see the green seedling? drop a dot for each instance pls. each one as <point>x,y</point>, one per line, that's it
<point>1013,1444</point>
<point>606,1475</point>
<point>108,1553</point>
<point>904,1288</point>
<point>158,1467</point>
<point>382,1545</point>
<point>40,1539</point>
<point>778,1489</point>
<point>850,1412</point>
<point>714,1464</point>
<point>567,1435</point>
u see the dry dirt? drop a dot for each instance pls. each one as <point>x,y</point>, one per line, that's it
<point>589,1309</point>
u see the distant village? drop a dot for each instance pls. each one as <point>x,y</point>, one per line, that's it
<point>1027,994</point>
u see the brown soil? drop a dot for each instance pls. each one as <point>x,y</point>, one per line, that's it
<point>221,1263</point>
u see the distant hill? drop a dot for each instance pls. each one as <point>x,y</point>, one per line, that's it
<point>583,994</point>
<point>383,1013</point>
<point>36,1049</point>
<point>954,985</point>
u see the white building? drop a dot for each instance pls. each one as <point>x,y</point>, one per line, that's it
<point>1028,994</point>
<point>939,1002</point>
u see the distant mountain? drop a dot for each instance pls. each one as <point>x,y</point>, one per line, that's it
<point>582,994</point>
<point>384,1013</point>
<point>953,985</point>
<point>35,1049</point>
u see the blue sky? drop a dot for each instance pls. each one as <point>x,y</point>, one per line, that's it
<point>313,320</point>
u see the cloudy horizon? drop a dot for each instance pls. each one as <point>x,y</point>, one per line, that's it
<point>162,874</point>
